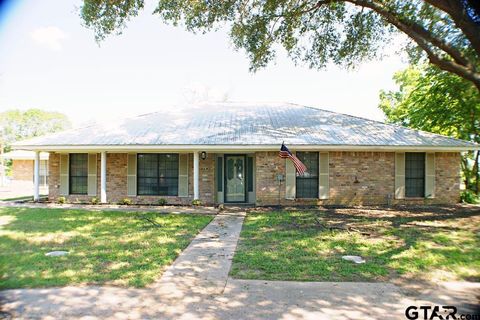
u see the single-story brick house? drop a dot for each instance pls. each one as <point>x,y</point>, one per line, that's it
<point>228,153</point>
<point>23,164</point>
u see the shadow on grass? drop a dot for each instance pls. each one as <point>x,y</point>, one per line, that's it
<point>104,247</point>
<point>308,245</point>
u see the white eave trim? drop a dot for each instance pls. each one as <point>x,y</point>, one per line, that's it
<point>227,148</point>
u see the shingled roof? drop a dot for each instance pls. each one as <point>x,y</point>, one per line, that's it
<point>243,124</point>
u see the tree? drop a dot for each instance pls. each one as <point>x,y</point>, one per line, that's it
<point>346,32</point>
<point>18,125</point>
<point>437,101</point>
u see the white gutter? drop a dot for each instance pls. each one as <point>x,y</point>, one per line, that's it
<point>238,148</point>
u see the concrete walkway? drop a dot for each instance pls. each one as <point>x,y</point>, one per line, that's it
<point>196,286</point>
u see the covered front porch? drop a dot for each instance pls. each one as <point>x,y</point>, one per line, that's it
<point>149,177</point>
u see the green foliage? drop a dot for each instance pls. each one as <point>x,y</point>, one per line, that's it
<point>162,202</point>
<point>125,201</point>
<point>19,125</point>
<point>197,202</point>
<point>437,101</point>
<point>61,200</point>
<point>468,196</point>
<point>94,200</point>
<point>109,247</point>
<point>344,32</point>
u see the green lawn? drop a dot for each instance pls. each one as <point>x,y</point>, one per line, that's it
<point>119,248</point>
<point>429,244</point>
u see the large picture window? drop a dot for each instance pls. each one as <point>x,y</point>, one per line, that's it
<point>415,174</point>
<point>78,180</point>
<point>157,174</point>
<point>307,184</point>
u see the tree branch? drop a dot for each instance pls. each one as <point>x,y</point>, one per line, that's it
<point>456,11</point>
<point>316,6</point>
<point>460,65</point>
<point>419,35</point>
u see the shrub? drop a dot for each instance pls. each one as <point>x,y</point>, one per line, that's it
<point>94,200</point>
<point>126,201</point>
<point>197,202</point>
<point>162,202</point>
<point>61,200</point>
<point>469,196</point>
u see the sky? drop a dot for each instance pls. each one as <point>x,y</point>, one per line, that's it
<point>48,60</point>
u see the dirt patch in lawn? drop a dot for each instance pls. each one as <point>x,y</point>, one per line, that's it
<point>402,243</point>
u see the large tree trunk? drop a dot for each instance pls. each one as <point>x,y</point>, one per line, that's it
<point>476,171</point>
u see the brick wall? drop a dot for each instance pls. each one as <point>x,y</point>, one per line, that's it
<point>207,179</point>
<point>447,177</point>
<point>358,178</point>
<point>117,181</point>
<point>355,178</point>
<point>361,177</point>
<point>54,176</point>
<point>22,170</point>
<point>268,190</point>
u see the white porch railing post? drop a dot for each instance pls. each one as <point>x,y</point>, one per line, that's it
<point>196,174</point>
<point>103,177</point>
<point>36,177</point>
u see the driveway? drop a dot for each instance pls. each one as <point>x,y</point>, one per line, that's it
<point>16,189</point>
<point>197,286</point>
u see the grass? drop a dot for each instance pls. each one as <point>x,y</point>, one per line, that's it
<point>432,244</point>
<point>118,248</point>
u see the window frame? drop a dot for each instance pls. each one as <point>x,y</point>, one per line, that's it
<point>70,175</point>
<point>303,178</point>
<point>408,174</point>
<point>161,177</point>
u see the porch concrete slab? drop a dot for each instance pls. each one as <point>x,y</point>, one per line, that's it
<point>17,188</point>
<point>114,207</point>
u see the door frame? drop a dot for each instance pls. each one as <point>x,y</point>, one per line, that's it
<point>225,187</point>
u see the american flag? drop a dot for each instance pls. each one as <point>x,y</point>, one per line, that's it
<point>299,166</point>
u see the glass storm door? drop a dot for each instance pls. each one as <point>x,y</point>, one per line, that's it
<point>235,178</point>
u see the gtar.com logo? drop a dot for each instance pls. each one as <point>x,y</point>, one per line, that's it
<point>437,313</point>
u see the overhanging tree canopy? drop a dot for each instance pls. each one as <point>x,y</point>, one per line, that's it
<point>437,101</point>
<point>346,32</point>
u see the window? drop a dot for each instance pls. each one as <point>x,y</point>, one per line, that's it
<point>220,174</point>
<point>157,174</point>
<point>415,174</point>
<point>43,172</point>
<point>78,173</point>
<point>307,184</point>
<point>250,174</point>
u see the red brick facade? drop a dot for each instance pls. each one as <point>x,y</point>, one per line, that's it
<point>355,178</point>
<point>22,170</point>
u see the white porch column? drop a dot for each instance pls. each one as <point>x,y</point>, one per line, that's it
<point>36,177</point>
<point>103,177</point>
<point>196,170</point>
